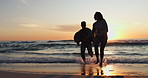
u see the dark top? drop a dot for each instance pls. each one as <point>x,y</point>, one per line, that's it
<point>85,37</point>
<point>101,28</point>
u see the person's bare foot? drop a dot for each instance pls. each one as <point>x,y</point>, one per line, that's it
<point>91,54</point>
<point>100,64</point>
<point>84,61</point>
<point>97,62</point>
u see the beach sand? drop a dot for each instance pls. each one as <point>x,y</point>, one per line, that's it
<point>4,74</point>
<point>62,70</point>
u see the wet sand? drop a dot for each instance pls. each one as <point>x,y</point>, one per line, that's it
<point>4,74</point>
<point>59,70</point>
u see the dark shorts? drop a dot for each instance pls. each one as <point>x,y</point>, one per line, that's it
<point>88,46</point>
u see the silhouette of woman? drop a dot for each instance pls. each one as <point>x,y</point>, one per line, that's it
<point>99,31</point>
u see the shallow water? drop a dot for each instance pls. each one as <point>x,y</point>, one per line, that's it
<point>66,51</point>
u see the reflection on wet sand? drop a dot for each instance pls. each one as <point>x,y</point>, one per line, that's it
<point>114,70</point>
<point>91,70</point>
<point>96,70</point>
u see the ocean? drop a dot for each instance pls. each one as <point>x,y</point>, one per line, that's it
<point>66,51</point>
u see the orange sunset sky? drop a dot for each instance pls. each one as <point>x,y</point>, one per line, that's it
<point>60,19</point>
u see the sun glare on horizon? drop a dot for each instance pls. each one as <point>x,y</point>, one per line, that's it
<point>114,34</point>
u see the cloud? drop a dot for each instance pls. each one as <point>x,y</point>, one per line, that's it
<point>22,3</point>
<point>29,25</point>
<point>33,26</point>
<point>67,28</point>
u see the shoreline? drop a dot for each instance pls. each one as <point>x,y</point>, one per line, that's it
<point>74,69</point>
<point>6,74</point>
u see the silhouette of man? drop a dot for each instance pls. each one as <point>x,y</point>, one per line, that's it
<point>85,40</point>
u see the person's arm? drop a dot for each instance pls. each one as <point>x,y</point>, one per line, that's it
<point>93,30</point>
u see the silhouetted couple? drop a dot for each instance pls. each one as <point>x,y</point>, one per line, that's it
<point>98,36</point>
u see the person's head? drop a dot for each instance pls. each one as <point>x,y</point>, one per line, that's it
<point>83,24</point>
<point>98,16</point>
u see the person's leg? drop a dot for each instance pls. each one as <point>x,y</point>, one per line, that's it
<point>89,48</point>
<point>97,53</point>
<point>96,44</point>
<point>83,52</point>
<point>102,47</point>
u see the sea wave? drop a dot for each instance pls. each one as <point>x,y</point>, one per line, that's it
<point>70,53</point>
<point>36,60</point>
<point>35,47</point>
<point>69,60</point>
<point>66,43</point>
<point>123,51</point>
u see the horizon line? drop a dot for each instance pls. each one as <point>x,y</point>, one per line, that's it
<point>70,40</point>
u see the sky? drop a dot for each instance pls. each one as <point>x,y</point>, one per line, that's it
<point>60,19</point>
